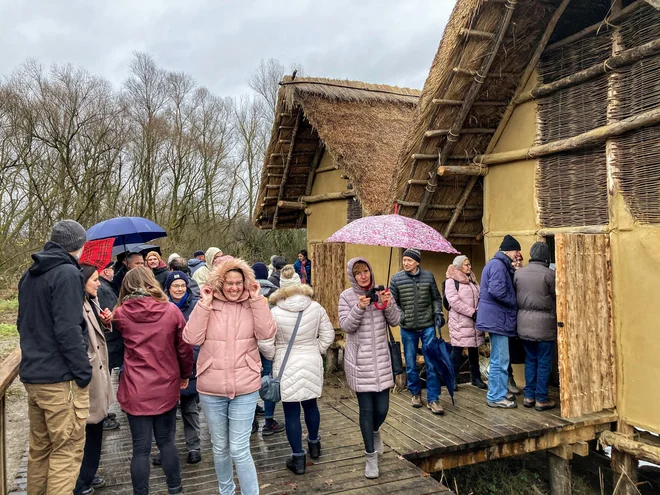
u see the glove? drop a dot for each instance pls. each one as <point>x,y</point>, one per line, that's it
<point>474,316</point>
<point>439,320</point>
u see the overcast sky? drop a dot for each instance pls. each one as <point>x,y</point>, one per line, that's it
<point>220,42</point>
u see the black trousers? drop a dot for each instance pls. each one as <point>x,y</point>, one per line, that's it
<point>91,457</point>
<point>473,357</point>
<point>373,411</point>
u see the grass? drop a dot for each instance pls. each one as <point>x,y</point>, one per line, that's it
<point>8,331</point>
<point>8,305</point>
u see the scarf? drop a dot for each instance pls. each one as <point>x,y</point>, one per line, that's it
<point>181,301</point>
<point>136,295</point>
<point>303,272</point>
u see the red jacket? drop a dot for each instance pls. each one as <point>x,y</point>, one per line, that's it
<point>156,357</point>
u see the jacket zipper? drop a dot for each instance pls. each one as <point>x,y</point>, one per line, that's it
<point>373,344</point>
<point>415,300</point>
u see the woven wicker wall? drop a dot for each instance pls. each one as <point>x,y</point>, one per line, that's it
<point>329,276</point>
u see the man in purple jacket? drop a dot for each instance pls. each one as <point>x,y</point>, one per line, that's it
<point>496,314</point>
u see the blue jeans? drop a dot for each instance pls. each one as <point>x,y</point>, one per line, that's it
<point>292,422</point>
<point>230,425</point>
<point>267,369</point>
<point>538,366</point>
<point>410,343</point>
<point>498,376</point>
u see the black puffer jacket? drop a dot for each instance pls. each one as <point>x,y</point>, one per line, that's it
<point>52,330</point>
<point>418,298</point>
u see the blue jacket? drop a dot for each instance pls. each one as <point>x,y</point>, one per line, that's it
<point>297,266</point>
<point>498,306</point>
<point>187,308</point>
<point>195,264</point>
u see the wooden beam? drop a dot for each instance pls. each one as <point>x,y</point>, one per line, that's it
<point>283,127</point>
<point>291,205</point>
<point>328,197</point>
<point>445,132</point>
<point>461,71</point>
<point>586,139</point>
<point>273,186</point>
<point>623,59</point>
<point>269,175</point>
<point>470,97</point>
<point>287,165</point>
<point>327,168</point>
<point>316,161</point>
<point>559,470</point>
<point>413,204</point>
<point>473,33</point>
<point>624,443</point>
<point>297,153</point>
<point>459,207</point>
<point>434,156</point>
<point>478,103</point>
<point>446,170</point>
<point>581,449</point>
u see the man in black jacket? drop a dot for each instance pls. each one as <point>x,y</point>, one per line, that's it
<point>54,366</point>
<point>278,262</point>
<point>416,293</point>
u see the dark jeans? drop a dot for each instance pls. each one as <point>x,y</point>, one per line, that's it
<point>163,428</point>
<point>410,343</point>
<point>292,422</point>
<point>473,358</point>
<point>538,366</point>
<point>190,417</point>
<point>267,369</point>
<point>91,457</point>
<point>373,411</point>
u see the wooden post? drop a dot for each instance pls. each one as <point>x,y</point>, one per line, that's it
<point>560,473</point>
<point>624,465</point>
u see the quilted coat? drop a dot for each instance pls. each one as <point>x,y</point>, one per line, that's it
<point>463,303</point>
<point>367,360</point>
<point>498,306</point>
<point>227,332</point>
<point>537,307</point>
<point>418,299</point>
<point>303,374</point>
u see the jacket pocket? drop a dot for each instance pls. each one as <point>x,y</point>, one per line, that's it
<point>253,364</point>
<point>201,368</point>
<point>80,401</point>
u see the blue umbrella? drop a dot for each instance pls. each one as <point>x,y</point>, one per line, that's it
<point>127,230</point>
<point>134,248</point>
<point>439,353</point>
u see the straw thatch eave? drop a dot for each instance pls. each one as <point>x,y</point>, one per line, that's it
<point>362,126</point>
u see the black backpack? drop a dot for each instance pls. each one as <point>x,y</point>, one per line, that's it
<point>445,302</point>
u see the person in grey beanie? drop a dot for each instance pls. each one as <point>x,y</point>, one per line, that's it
<point>55,367</point>
<point>537,324</point>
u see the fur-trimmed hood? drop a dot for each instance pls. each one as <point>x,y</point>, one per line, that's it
<point>293,292</point>
<point>460,277</point>
<point>217,278</point>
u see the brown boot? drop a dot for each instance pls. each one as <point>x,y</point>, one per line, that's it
<point>416,401</point>
<point>436,408</point>
<point>544,406</point>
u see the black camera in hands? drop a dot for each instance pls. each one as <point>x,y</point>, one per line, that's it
<point>372,294</point>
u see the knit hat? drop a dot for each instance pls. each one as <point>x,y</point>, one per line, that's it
<point>509,244</point>
<point>414,254</point>
<point>289,277</point>
<point>69,234</point>
<point>278,262</point>
<point>458,261</point>
<point>198,253</point>
<point>176,275</point>
<point>172,256</point>
<point>260,270</point>
<point>540,252</point>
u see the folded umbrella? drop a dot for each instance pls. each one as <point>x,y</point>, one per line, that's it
<point>439,352</point>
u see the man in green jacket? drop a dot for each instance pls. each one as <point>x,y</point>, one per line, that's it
<point>416,293</point>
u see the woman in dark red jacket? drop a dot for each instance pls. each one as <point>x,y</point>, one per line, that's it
<point>157,364</point>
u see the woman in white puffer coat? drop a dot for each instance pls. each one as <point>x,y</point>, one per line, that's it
<point>302,379</point>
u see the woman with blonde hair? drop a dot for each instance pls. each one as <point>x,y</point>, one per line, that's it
<point>157,365</point>
<point>303,327</point>
<point>226,323</point>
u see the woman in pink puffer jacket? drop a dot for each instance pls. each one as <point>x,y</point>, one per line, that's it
<point>462,293</point>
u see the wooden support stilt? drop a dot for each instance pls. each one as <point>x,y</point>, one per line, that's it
<point>560,473</point>
<point>624,464</point>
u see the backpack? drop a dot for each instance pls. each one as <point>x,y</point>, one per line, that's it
<point>445,302</point>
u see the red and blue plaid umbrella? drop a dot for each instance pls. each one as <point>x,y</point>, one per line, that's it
<point>97,253</point>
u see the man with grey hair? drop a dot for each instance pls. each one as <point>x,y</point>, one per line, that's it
<point>55,367</point>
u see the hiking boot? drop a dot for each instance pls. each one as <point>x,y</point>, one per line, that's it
<point>271,427</point>
<point>435,407</point>
<point>504,404</point>
<point>297,463</point>
<point>110,424</point>
<point>371,468</point>
<point>478,382</point>
<point>510,396</point>
<point>88,490</point>
<point>416,401</point>
<point>378,443</point>
<point>194,456</point>
<point>175,491</point>
<point>544,406</point>
<point>528,402</point>
<point>314,448</point>
<point>512,387</point>
<point>259,410</point>
<point>98,482</point>
<point>112,416</point>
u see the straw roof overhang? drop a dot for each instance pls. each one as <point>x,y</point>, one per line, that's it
<point>362,126</point>
<point>453,203</point>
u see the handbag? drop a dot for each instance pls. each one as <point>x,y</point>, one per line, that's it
<point>270,386</point>
<point>395,354</point>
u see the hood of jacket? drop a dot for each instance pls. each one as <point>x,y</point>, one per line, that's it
<point>460,277</point>
<point>293,298</point>
<point>144,309</point>
<point>195,262</point>
<point>53,255</point>
<point>351,277</point>
<point>220,272</point>
<point>210,254</point>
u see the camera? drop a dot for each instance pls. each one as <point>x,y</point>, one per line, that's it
<point>373,293</point>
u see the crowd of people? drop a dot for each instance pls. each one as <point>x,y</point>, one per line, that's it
<point>200,334</point>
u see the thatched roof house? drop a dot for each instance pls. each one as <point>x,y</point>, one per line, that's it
<point>361,126</point>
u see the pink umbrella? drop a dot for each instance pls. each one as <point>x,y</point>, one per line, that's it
<point>393,231</point>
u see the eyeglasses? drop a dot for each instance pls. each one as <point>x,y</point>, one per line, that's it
<point>178,286</point>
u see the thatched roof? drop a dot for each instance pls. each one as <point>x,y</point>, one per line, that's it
<point>362,126</point>
<point>466,45</point>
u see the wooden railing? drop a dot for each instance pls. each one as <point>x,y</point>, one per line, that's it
<point>8,373</point>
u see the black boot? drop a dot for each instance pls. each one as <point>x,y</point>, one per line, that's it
<point>476,378</point>
<point>314,448</point>
<point>297,463</point>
